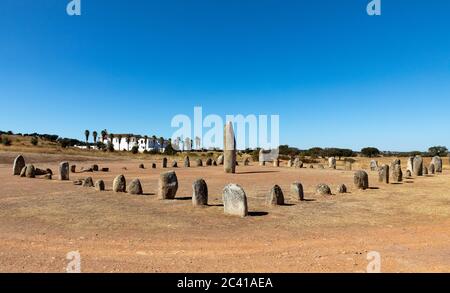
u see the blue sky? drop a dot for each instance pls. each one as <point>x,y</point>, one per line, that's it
<point>336,76</point>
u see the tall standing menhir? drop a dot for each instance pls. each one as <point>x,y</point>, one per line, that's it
<point>229,149</point>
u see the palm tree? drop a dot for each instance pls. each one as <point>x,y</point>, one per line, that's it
<point>161,142</point>
<point>120,140</point>
<point>86,134</point>
<point>104,134</point>
<point>94,135</point>
<point>111,137</point>
<point>146,141</point>
<point>127,139</point>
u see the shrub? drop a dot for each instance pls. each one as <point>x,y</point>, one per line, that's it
<point>169,150</point>
<point>34,140</point>
<point>110,147</point>
<point>135,149</point>
<point>6,141</point>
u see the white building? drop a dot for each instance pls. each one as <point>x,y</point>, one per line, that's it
<point>149,144</point>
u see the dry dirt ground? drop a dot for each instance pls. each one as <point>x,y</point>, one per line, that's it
<point>41,221</point>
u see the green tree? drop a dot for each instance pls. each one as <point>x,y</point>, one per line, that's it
<point>441,151</point>
<point>370,152</point>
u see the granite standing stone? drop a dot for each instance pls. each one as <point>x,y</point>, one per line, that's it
<point>437,161</point>
<point>19,163</point>
<point>235,200</point>
<point>167,185</point>
<point>99,185</point>
<point>199,193</point>
<point>119,184</point>
<point>418,166</point>
<point>275,196</point>
<point>30,171</point>
<point>361,180</point>
<point>332,163</point>
<point>229,149</point>
<point>323,189</point>
<point>88,182</point>
<point>342,188</point>
<point>135,187</point>
<point>297,191</point>
<point>64,171</point>
<point>383,174</point>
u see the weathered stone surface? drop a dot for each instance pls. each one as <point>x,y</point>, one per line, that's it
<point>437,161</point>
<point>332,163</point>
<point>164,163</point>
<point>153,165</point>
<point>199,193</point>
<point>220,160</point>
<point>88,182</point>
<point>64,171</point>
<point>348,166</point>
<point>275,196</point>
<point>23,171</point>
<point>135,187</point>
<point>297,191</point>
<point>86,170</point>
<point>19,163</point>
<point>187,162</point>
<point>73,168</point>
<point>99,185</point>
<point>105,169</point>
<point>373,165</point>
<point>119,184</point>
<point>418,166</point>
<point>141,166</point>
<point>215,163</point>
<point>425,170</point>
<point>198,162</point>
<point>361,180</point>
<point>290,163</point>
<point>235,200</point>
<point>342,188</point>
<point>30,171</point>
<point>409,164</point>
<point>298,163</point>
<point>323,189</point>
<point>408,174</point>
<point>383,174</point>
<point>209,162</point>
<point>396,171</point>
<point>174,164</point>
<point>246,161</point>
<point>167,185</point>
<point>78,182</point>
<point>432,169</point>
<point>94,168</point>
<point>40,172</point>
<point>229,161</point>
